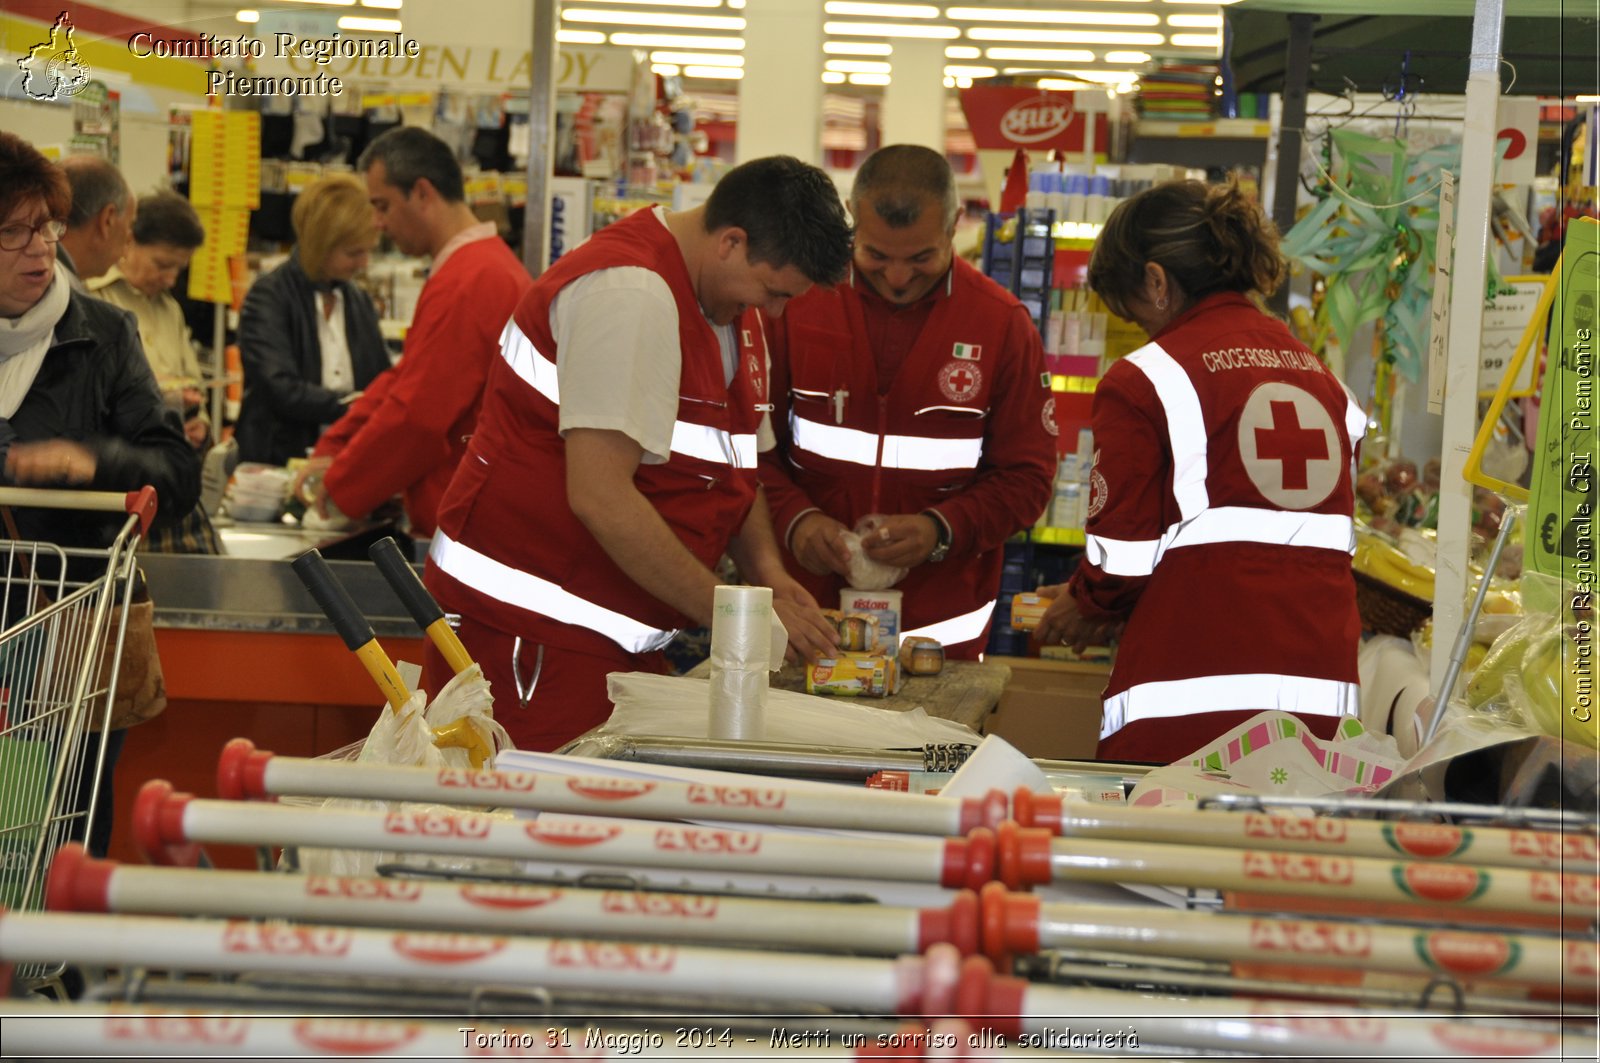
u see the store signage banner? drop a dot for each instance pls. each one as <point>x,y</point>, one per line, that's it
<point>1558,538</point>
<point>467,67</point>
<point>1005,117</point>
<point>1518,129</point>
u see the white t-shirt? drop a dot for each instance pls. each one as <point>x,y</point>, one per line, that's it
<point>337,372</point>
<point>618,362</point>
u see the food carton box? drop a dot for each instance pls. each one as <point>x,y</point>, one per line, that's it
<point>857,675</point>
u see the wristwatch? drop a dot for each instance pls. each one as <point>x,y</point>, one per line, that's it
<point>941,549</point>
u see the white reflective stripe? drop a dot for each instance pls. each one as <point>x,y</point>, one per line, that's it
<point>1186,426</point>
<point>713,444</point>
<point>929,454</point>
<point>1122,557</point>
<point>1253,692</point>
<point>833,441</point>
<point>957,629</point>
<point>1277,527</point>
<point>525,360</point>
<point>526,591</point>
<point>1355,418</point>
<point>923,453</point>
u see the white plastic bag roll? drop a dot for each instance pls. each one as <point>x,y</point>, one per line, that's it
<point>741,655</point>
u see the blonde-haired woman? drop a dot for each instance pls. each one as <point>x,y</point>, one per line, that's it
<point>308,337</point>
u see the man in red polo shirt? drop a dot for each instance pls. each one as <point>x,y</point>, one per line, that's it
<point>916,390</point>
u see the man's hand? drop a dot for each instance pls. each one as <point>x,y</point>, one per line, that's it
<point>810,634</point>
<point>309,487</point>
<point>904,540</point>
<point>197,430</point>
<point>50,461</point>
<point>1062,622</point>
<point>818,545</point>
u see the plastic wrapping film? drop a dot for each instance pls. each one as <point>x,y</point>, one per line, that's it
<point>747,642</point>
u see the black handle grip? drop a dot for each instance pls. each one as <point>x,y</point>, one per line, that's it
<point>334,599</point>
<point>385,553</point>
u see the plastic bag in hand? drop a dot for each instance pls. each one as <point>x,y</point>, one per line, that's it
<point>865,574</point>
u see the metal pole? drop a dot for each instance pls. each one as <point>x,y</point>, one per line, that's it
<point>1467,272</point>
<point>541,133</point>
<point>1291,134</point>
<point>1463,643</point>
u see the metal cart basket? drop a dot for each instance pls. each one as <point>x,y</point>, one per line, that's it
<point>63,614</point>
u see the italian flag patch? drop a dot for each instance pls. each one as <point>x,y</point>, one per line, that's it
<point>968,351</point>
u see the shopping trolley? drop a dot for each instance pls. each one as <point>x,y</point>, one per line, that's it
<point>64,612</point>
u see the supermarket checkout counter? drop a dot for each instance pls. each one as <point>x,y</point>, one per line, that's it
<point>246,651</point>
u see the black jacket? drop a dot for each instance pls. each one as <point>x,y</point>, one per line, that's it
<point>285,405</point>
<point>95,387</point>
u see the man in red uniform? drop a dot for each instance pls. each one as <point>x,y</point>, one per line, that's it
<point>407,431</point>
<point>917,391</point>
<point>615,457</point>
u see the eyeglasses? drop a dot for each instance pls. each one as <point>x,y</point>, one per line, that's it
<point>16,237</point>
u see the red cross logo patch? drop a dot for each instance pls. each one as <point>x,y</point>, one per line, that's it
<point>1048,415</point>
<point>1290,446</point>
<point>960,381</point>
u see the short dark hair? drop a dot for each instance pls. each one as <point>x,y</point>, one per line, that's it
<point>26,174</point>
<point>409,154</point>
<point>96,184</point>
<point>167,218</point>
<point>901,179</point>
<point>791,212</point>
<point>1208,238</point>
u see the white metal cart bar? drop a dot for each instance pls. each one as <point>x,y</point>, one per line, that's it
<point>246,773</point>
<point>80,884</point>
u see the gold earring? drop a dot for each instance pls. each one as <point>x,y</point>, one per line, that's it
<point>1161,303</point>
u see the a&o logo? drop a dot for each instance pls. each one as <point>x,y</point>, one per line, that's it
<point>54,68</point>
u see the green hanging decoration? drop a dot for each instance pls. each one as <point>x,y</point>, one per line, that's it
<point>1373,240</point>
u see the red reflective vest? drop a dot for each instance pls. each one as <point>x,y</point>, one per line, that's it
<point>510,552</point>
<point>966,428</point>
<point>1220,518</point>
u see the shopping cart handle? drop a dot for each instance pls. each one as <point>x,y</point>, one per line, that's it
<point>334,599</point>
<point>142,503</point>
<point>385,553</point>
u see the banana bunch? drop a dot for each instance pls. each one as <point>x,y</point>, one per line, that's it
<point>1532,666</point>
<point>1381,560</point>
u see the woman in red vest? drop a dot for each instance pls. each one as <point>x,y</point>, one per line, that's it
<point>1220,509</point>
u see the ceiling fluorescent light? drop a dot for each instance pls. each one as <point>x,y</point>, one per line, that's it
<point>653,18</point>
<point>889,29</point>
<point>725,73</point>
<point>1195,22</point>
<point>386,5</point>
<point>1049,55</point>
<point>832,77</point>
<point>666,70</point>
<point>673,40</point>
<point>371,25</point>
<point>962,51</point>
<point>1196,40</point>
<point>949,82</point>
<point>869,79</point>
<point>1127,57</point>
<point>247,15</point>
<point>1071,18</point>
<point>970,71</point>
<point>698,58</point>
<point>580,37</point>
<point>1062,84</point>
<point>984,33</point>
<point>882,10</point>
<point>857,66</point>
<point>1105,77</point>
<point>863,48</point>
<point>671,3</point>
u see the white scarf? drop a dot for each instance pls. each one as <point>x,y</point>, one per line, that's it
<point>25,340</point>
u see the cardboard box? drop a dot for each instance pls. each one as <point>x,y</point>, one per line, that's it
<point>1050,709</point>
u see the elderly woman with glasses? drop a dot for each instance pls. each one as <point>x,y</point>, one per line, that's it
<point>78,404</point>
